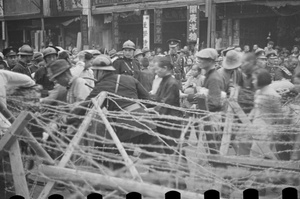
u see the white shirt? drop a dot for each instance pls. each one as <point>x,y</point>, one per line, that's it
<point>9,80</point>
<point>79,71</point>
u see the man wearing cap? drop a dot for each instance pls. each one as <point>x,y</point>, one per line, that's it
<point>36,60</point>
<point>113,55</point>
<point>25,57</point>
<point>261,58</point>
<point>138,55</point>
<point>76,87</point>
<point>173,56</point>
<point>10,57</point>
<point>127,65</point>
<point>206,59</point>
<point>230,71</point>
<point>42,74</point>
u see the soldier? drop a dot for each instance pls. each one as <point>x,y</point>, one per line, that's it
<point>22,66</point>
<point>41,75</point>
<point>10,58</point>
<point>128,65</point>
<point>173,45</point>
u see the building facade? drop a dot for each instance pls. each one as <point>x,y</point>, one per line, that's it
<point>237,22</point>
<point>108,23</point>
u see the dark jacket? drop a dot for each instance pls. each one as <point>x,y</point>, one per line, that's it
<point>22,67</point>
<point>41,77</point>
<point>146,78</point>
<point>128,87</point>
<point>215,85</point>
<point>168,93</point>
<point>127,66</point>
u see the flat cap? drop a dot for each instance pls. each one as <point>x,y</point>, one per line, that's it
<point>208,53</point>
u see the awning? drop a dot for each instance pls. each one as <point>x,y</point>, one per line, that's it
<point>66,23</point>
<point>277,4</point>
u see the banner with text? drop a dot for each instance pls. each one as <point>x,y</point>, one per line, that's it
<point>193,23</point>
<point>146,31</point>
<point>158,26</point>
<point>115,29</point>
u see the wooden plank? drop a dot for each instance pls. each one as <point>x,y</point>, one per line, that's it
<point>18,173</point>
<point>239,112</point>
<point>242,160</point>
<point>226,137</point>
<point>31,139</point>
<point>119,145</point>
<point>15,130</point>
<point>94,179</point>
<point>72,146</point>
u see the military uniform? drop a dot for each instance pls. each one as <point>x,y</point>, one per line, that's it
<point>22,67</point>
<point>127,66</point>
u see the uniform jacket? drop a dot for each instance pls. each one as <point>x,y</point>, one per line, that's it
<point>128,87</point>
<point>41,77</point>
<point>22,67</point>
<point>127,67</point>
<point>168,93</point>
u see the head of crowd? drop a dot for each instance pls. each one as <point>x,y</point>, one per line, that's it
<point>183,62</point>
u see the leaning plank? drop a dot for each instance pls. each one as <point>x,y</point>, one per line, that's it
<point>239,112</point>
<point>72,146</point>
<point>18,173</point>
<point>147,190</point>
<point>119,145</point>
<point>226,137</point>
<point>246,161</point>
<point>69,151</point>
<point>14,131</point>
<point>30,138</point>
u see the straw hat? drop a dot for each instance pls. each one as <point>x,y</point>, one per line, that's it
<point>232,60</point>
<point>58,67</point>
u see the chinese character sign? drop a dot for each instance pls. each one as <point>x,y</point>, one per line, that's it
<point>146,31</point>
<point>236,32</point>
<point>193,23</point>
<point>158,26</point>
<point>115,30</point>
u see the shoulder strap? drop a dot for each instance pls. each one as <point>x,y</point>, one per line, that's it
<point>117,84</point>
<point>129,68</point>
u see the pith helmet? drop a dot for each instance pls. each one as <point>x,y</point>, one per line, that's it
<point>25,50</point>
<point>129,45</point>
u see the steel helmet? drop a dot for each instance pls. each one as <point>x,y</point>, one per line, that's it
<point>25,50</point>
<point>102,62</point>
<point>49,51</point>
<point>129,44</point>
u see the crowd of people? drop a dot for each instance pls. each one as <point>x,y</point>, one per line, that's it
<point>180,77</point>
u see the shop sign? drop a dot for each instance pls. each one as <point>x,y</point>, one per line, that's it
<point>224,33</point>
<point>236,32</point>
<point>158,26</point>
<point>1,7</point>
<point>115,29</point>
<point>193,23</point>
<point>146,31</point>
<point>84,29</point>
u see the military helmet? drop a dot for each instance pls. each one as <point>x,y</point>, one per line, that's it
<point>128,44</point>
<point>49,51</point>
<point>25,50</point>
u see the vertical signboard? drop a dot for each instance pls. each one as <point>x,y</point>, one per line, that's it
<point>146,31</point>
<point>115,29</point>
<point>1,8</point>
<point>84,30</point>
<point>229,31</point>
<point>158,26</point>
<point>193,23</point>
<point>224,33</point>
<point>236,32</point>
